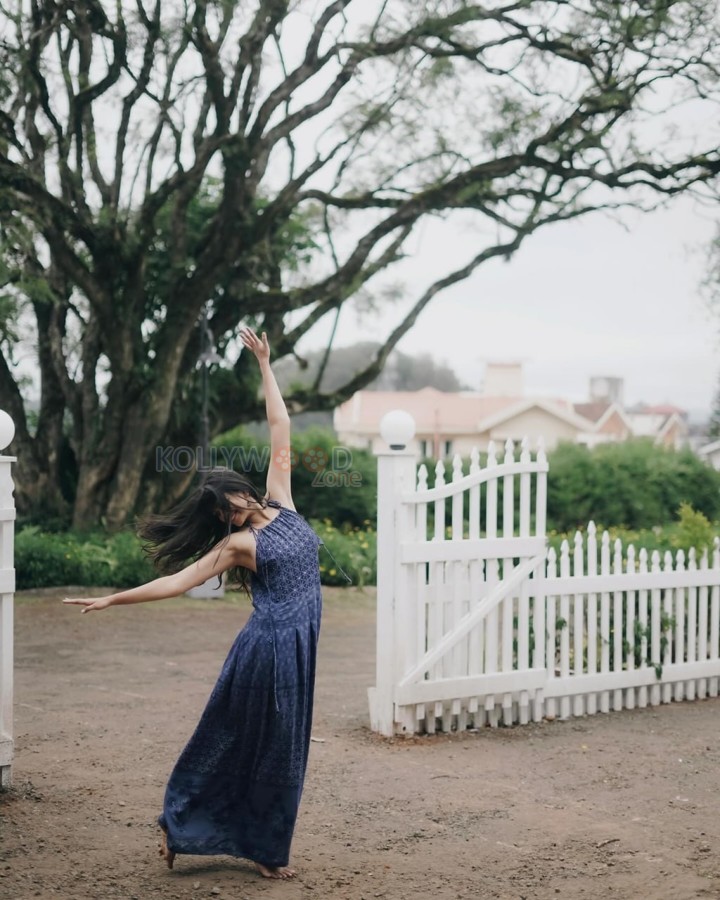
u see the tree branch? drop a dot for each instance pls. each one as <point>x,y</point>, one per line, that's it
<point>142,80</point>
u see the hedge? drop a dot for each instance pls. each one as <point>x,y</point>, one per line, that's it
<point>47,559</point>
<point>633,485</point>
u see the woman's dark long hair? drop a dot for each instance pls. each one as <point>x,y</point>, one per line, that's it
<point>198,523</point>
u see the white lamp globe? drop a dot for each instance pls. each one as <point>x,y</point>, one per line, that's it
<point>397,428</point>
<point>7,429</point>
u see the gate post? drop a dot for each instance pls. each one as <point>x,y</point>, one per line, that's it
<point>396,474</point>
<point>7,588</point>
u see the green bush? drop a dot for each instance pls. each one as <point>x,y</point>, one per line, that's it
<point>129,566</point>
<point>353,549</point>
<point>635,484</point>
<point>693,530</point>
<point>47,559</point>
<point>690,529</point>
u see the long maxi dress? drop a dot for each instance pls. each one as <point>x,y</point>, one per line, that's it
<point>237,785</point>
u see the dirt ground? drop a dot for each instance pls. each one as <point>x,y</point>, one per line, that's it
<point>622,805</point>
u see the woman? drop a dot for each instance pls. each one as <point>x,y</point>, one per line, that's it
<point>237,785</point>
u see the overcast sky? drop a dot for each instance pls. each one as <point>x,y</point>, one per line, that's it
<point>583,298</point>
<point>578,299</point>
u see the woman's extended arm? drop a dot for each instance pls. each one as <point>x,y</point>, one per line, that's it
<point>235,552</point>
<point>279,470</point>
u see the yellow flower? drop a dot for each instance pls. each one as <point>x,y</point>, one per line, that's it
<point>364,545</point>
<point>322,568</point>
<point>332,572</point>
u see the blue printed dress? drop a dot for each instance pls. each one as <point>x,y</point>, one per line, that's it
<point>237,785</point>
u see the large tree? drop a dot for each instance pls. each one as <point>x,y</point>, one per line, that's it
<point>271,159</point>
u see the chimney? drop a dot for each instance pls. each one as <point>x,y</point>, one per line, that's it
<point>607,389</point>
<point>503,379</point>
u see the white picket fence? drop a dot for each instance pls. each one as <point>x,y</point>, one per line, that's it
<point>478,623</point>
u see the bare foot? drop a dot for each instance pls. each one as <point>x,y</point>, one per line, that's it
<point>165,852</point>
<point>275,871</point>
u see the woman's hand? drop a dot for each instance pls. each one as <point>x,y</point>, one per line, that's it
<point>259,347</point>
<point>88,603</point>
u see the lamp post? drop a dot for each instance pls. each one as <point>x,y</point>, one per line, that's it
<point>208,357</point>
<point>213,587</point>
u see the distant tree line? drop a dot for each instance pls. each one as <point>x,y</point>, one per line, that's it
<point>402,371</point>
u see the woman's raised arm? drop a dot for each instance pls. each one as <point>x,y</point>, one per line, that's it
<point>279,470</point>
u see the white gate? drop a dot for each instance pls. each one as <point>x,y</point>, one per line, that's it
<point>7,588</point>
<point>477,624</point>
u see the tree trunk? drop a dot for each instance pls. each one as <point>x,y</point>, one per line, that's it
<point>37,492</point>
<point>91,494</point>
<point>126,485</point>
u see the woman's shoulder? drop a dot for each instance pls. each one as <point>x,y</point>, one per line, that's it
<point>240,539</point>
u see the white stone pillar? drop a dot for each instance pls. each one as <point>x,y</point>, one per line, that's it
<point>7,590</point>
<point>396,474</point>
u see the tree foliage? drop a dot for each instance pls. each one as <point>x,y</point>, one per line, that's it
<point>272,160</point>
<point>713,427</point>
<point>634,484</point>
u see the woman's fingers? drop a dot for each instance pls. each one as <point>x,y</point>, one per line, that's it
<point>250,339</point>
<point>253,342</point>
<point>86,602</point>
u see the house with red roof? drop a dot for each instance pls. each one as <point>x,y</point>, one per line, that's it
<point>448,423</point>
<point>665,423</point>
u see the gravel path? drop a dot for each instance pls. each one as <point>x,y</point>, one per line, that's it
<point>622,805</point>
